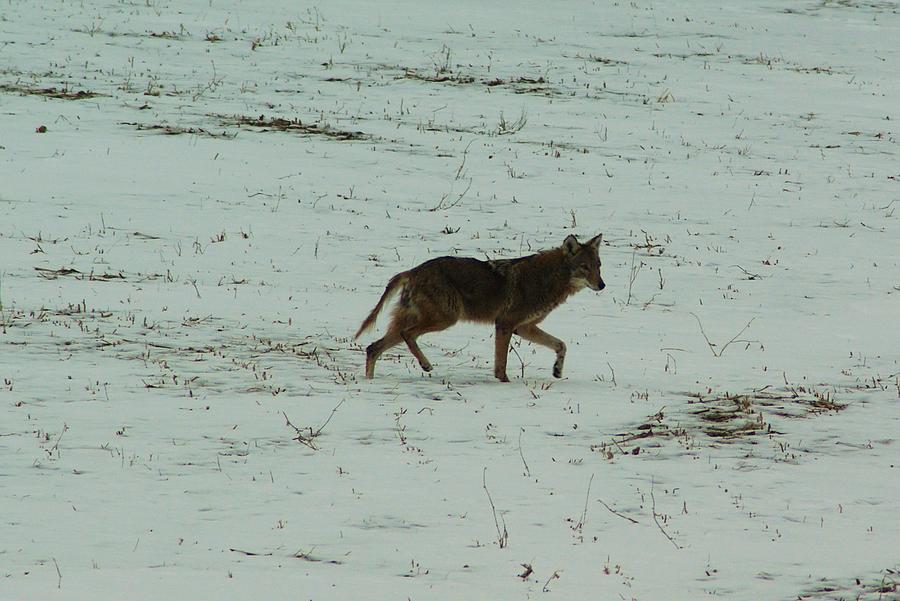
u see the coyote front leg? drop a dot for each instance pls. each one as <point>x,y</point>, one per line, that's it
<point>532,333</point>
<point>502,335</point>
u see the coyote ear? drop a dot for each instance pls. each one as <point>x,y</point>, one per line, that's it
<point>571,244</point>
<point>595,241</point>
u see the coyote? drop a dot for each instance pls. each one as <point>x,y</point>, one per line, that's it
<point>513,294</point>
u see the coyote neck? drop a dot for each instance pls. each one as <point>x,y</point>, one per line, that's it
<point>537,285</point>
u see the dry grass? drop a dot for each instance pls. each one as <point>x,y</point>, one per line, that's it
<point>518,85</point>
<point>61,94</point>
<point>175,130</point>
<point>438,77</point>
<point>262,123</point>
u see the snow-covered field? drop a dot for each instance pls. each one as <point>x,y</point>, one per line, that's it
<point>200,201</point>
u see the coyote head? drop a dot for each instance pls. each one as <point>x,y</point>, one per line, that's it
<point>584,260</point>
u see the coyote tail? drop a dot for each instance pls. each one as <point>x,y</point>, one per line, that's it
<point>396,282</point>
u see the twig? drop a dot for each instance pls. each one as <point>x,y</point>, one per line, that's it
<point>750,275</point>
<point>308,556</point>
<point>210,86</point>
<point>587,495</point>
<point>555,576</point>
<point>633,276</point>
<point>441,206</point>
<point>58,574</point>
<point>711,345</point>
<point>463,164</point>
<point>308,439</point>
<point>528,571</point>
<point>502,536</point>
<point>504,127</point>
<point>400,429</point>
<point>525,463</point>
<point>250,553</point>
<point>613,372</point>
<point>55,446</point>
<point>301,438</point>
<point>333,411</point>
<point>655,519</point>
<point>521,363</point>
<point>674,363</point>
<point>614,512</point>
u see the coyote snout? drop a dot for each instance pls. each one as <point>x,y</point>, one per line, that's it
<point>513,294</point>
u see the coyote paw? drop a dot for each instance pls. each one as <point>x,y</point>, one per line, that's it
<point>502,377</point>
<point>558,364</point>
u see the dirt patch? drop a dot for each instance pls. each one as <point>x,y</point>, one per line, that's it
<point>788,402</point>
<point>859,589</point>
<point>725,418</point>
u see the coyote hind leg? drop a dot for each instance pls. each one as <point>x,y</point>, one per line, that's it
<point>411,334</point>
<point>408,333</point>
<point>410,340</point>
<point>374,350</point>
<point>532,333</point>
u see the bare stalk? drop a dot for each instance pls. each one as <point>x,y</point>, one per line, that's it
<point>712,347</point>
<point>555,576</point>
<point>58,574</point>
<point>302,438</point>
<point>655,519</point>
<point>614,512</point>
<point>527,473</point>
<point>55,447</point>
<point>442,205</point>
<point>502,535</point>
<point>333,411</point>
<point>633,277</point>
<point>463,163</point>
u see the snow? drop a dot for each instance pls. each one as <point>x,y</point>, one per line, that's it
<point>181,275</point>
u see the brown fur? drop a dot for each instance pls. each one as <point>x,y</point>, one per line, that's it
<point>513,294</point>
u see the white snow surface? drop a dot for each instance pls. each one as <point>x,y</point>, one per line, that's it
<point>181,276</point>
